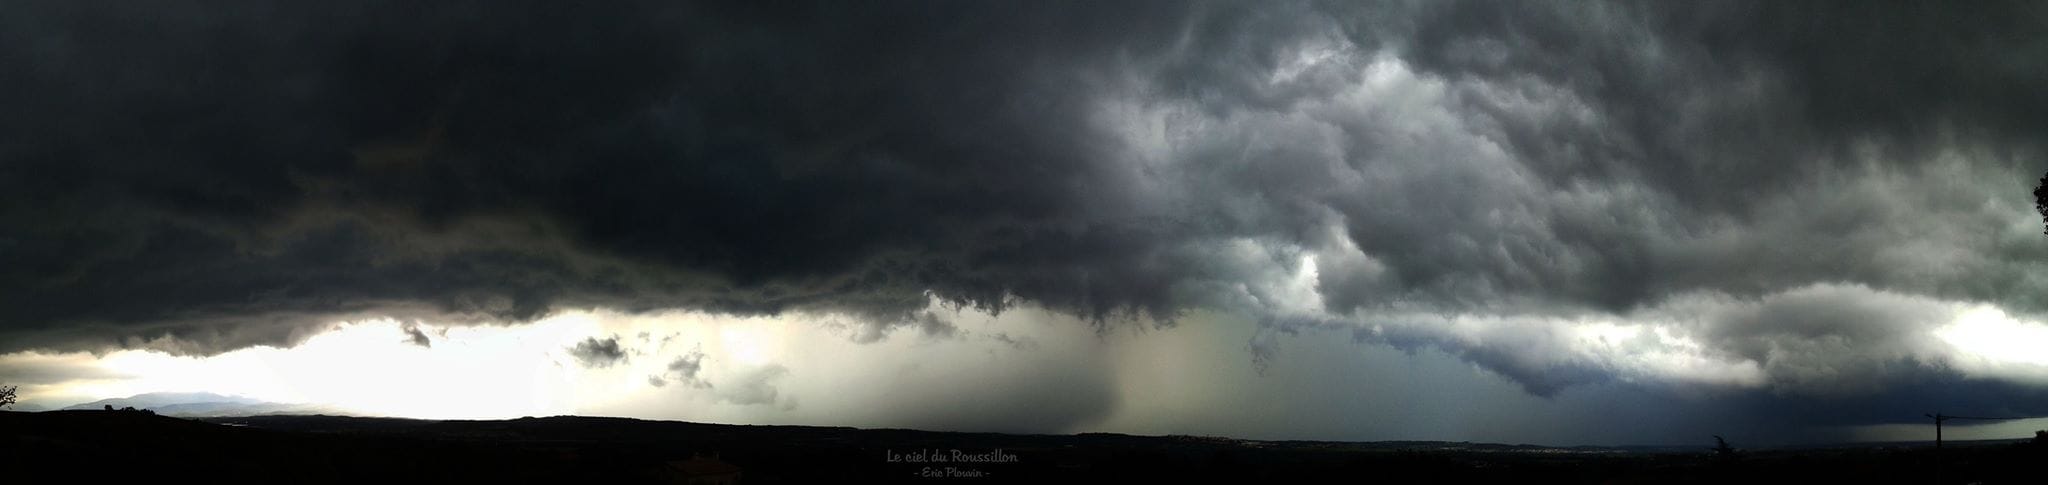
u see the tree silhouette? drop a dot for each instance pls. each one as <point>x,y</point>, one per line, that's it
<point>1721,448</point>
<point>2041,201</point>
<point>6,395</point>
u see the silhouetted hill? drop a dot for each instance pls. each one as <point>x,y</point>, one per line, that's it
<point>201,404</point>
<point>154,399</point>
<point>131,446</point>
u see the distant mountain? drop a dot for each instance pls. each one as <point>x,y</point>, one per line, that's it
<point>158,399</point>
<point>203,404</point>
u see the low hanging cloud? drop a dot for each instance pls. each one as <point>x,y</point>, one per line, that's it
<point>414,336</point>
<point>755,386</point>
<point>685,369</point>
<point>1824,340</point>
<point>598,353</point>
<point>1797,200</point>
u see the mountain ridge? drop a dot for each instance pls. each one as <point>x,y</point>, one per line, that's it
<point>202,404</point>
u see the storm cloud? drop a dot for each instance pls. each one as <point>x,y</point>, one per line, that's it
<point>1799,202</point>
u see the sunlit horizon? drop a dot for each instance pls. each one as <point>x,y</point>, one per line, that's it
<point>757,370</point>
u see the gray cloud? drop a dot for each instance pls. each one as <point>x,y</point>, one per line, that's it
<point>1792,196</point>
<point>596,352</point>
<point>741,385</point>
<point>1013,342</point>
<point>42,371</point>
<point>686,369</point>
<point>414,336</point>
<point>873,328</point>
<point>756,387</point>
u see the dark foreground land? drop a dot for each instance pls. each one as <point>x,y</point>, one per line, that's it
<point>108,446</point>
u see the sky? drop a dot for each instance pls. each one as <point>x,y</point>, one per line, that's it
<point>1528,222</point>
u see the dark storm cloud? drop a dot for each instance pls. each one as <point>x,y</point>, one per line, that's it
<point>1764,153</point>
<point>596,352</point>
<point>1721,109</point>
<point>1485,178</point>
<point>1512,173</point>
<point>181,173</point>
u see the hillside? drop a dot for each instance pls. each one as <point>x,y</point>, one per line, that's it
<point>133,446</point>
